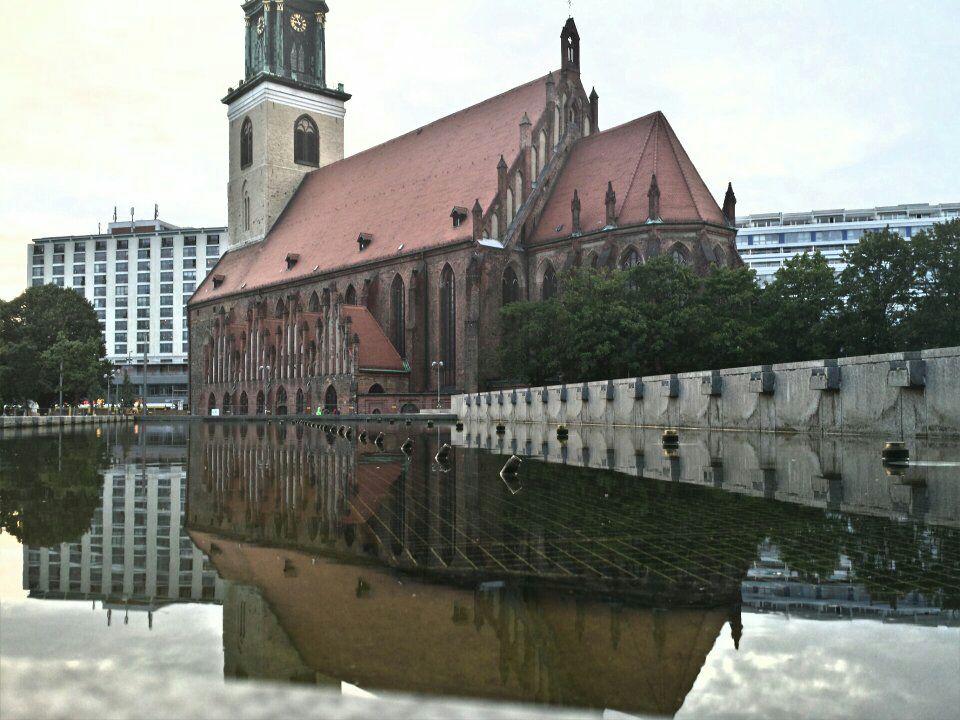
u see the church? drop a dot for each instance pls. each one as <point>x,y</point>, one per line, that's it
<point>373,283</point>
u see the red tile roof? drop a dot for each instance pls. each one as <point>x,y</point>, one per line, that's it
<point>400,192</point>
<point>628,156</point>
<point>376,350</point>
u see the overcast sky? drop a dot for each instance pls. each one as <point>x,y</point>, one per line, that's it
<point>802,105</point>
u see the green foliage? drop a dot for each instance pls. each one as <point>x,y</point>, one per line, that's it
<point>801,310</point>
<point>50,487</point>
<point>39,329</point>
<point>126,394</point>
<point>661,317</point>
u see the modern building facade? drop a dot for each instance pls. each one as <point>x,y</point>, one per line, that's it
<point>375,282</point>
<point>766,240</point>
<point>139,276</point>
<point>137,554</point>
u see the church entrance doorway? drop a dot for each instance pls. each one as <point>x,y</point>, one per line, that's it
<point>330,400</point>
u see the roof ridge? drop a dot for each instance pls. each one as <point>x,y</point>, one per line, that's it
<point>636,169</point>
<point>421,128</point>
<point>683,174</point>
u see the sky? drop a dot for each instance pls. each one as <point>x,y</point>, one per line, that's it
<point>803,104</point>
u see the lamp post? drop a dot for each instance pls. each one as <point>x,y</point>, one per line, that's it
<point>438,364</point>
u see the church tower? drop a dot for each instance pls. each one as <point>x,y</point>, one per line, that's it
<point>284,120</point>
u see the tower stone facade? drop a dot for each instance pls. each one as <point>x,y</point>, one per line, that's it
<point>283,119</point>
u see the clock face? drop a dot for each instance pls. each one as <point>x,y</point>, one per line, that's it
<point>260,25</point>
<point>298,22</point>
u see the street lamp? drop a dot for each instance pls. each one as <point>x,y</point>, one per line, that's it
<point>438,364</point>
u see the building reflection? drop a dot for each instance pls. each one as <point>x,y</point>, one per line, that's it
<point>135,554</point>
<point>355,562</point>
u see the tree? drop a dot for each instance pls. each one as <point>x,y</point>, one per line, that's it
<point>39,328</point>
<point>733,329</point>
<point>801,308</point>
<point>877,284</point>
<point>936,255</point>
<point>526,347</point>
<point>127,393</point>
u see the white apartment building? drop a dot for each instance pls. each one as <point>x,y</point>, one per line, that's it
<point>139,276</point>
<point>766,240</point>
<point>137,553</point>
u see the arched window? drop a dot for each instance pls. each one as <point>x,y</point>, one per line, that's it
<point>448,327</point>
<point>511,286</point>
<point>298,58</point>
<point>281,309</point>
<point>398,323</point>
<point>281,408</point>
<point>375,389</point>
<point>543,148</point>
<point>556,125</point>
<point>261,403</point>
<point>246,207</point>
<point>629,259</point>
<point>313,304</point>
<point>518,192</point>
<point>586,125</point>
<point>678,255</point>
<point>330,399</point>
<point>350,297</point>
<point>510,209</point>
<point>301,402</point>
<point>227,403</point>
<point>306,142</point>
<point>534,162</point>
<point>594,261</point>
<point>549,287</point>
<point>246,144</point>
<point>244,404</point>
<point>495,226</point>
<point>211,403</point>
<point>719,255</point>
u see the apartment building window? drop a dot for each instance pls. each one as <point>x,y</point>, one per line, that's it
<point>189,252</point>
<point>213,250</point>
<point>100,256</point>
<point>166,300</point>
<point>189,286</point>
<point>143,277</point>
<point>79,255</point>
<point>38,254</point>
<point>101,316</point>
<point>166,264</point>
<point>120,337</point>
<point>37,282</point>
<point>190,274</point>
<point>121,267</point>
<point>143,289</point>
<point>59,248</point>
<point>143,312</point>
<point>143,254</point>
<point>166,277</point>
<point>166,288</point>
<point>166,335</point>
<point>166,347</point>
<point>143,243</point>
<point>79,281</point>
<point>143,265</point>
<point>121,255</point>
<point>166,252</point>
<point>100,291</point>
<point>121,278</point>
<point>143,324</point>
<point>38,272</point>
<point>143,301</point>
<point>166,242</point>
<point>101,245</point>
<point>99,279</point>
<point>213,239</point>
<point>141,348</point>
<point>58,281</point>
<point>100,304</point>
<point>100,268</point>
<point>211,262</point>
<point>77,269</point>
<point>143,337</point>
<point>121,314</point>
<point>120,349</point>
<point>166,312</point>
<point>189,264</point>
<point>121,244</point>
<point>120,326</point>
<point>120,290</point>
<point>166,324</point>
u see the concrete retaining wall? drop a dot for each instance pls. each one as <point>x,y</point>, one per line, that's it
<point>11,423</point>
<point>908,394</point>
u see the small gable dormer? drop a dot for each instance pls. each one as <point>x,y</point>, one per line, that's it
<point>364,240</point>
<point>292,260</point>
<point>218,280</point>
<point>570,47</point>
<point>459,215</point>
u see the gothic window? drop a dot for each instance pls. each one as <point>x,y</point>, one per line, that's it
<point>518,194</point>
<point>212,403</point>
<point>244,404</point>
<point>549,287</point>
<point>586,125</point>
<point>629,259</point>
<point>495,225</point>
<point>543,148</point>
<point>398,325</point>
<point>246,144</point>
<point>281,401</point>
<point>678,257</point>
<point>330,399</point>
<point>510,209</point>
<point>511,286</point>
<point>281,310</point>
<point>535,162</point>
<point>350,298</point>
<point>298,58</point>
<point>719,256</point>
<point>448,327</point>
<point>246,207</point>
<point>556,125</point>
<point>375,389</point>
<point>306,142</point>
<point>313,305</point>
<point>227,403</point>
<point>301,402</point>
<point>260,403</point>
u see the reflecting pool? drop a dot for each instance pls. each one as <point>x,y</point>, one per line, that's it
<point>737,575</point>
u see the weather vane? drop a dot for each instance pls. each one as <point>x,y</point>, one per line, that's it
<point>570,8</point>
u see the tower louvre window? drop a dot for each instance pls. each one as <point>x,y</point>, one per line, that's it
<point>306,142</point>
<point>246,144</point>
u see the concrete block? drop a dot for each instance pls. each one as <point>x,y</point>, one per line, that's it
<point>825,378</point>
<point>585,392</point>
<point>764,381</point>
<point>907,374</point>
<point>671,386</point>
<point>711,384</point>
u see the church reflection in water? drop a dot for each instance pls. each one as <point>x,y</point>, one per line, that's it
<point>346,561</point>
